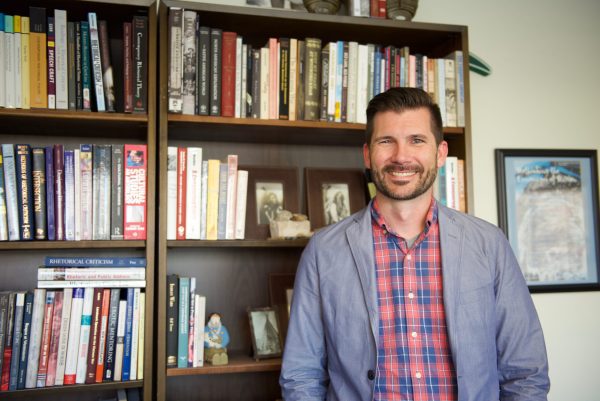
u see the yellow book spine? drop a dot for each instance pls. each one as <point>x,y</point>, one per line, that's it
<point>212,199</point>
<point>25,90</point>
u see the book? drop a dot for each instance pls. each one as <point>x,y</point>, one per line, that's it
<point>127,67</point>
<point>189,59</point>
<point>55,325</point>
<point>10,189</point>
<point>26,339</point>
<point>102,336</point>
<point>86,67</point>
<point>72,65</point>
<point>59,192</point>
<point>2,58</point>
<point>175,60</point>
<point>135,332</point>
<point>199,318</point>
<point>8,343</point>
<point>222,202</point>
<point>293,78</point>
<point>230,218</point>
<point>16,59</point>
<point>51,284</point>
<point>107,68</point>
<point>203,69</point>
<point>51,54</point>
<point>120,337</point>
<point>69,199</point>
<point>84,335</point>
<point>37,64</point>
<point>191,323</point>
<point>95,62</point>
<point>94,261</point>
<point>86,191</point>
<point>264,82</point>
<point>63,340</point>
<point>140,64</point>
<point>228,45</point>
<point>215,72</point>
<point>135,192</point>
<point>3,221</point>
<point>180,217</point>
<point>193,201</point>
<point>204,197</point>
<point>127,340</point>
<point>61,59</point>
<point>212,199</point>
<point>172,319</point>
<point>111,335</point>
<point>25,191</point>
<point>50,220</point>
<point>283,83</point>
<point>183,319</point>
<point>141,339</point>
<point>77,194</point>
<point>116,207</point>
<point>91,273</point>
<point>39,191</point>
<point>254,86</point>
<point>172,192</point>
<point>45,340</point>
<point>101,191</point>
<point>17,341</point>
<point>240,212</point>
<point>3,323</point>
<point>94,343</point>
<point>74,336</point>
<point>35,338</point>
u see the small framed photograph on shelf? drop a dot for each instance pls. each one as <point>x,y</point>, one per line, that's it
<point>333,194</point>
<point>281,289</point>
<point>548,208</point>
<point>266,336</point>
<point>270,190</point>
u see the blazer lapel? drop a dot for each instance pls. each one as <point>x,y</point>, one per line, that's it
<point>360,239</point>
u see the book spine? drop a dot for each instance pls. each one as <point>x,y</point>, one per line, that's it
<point>107,68</point>
<point>135,332</point>
<point>25,49</point>
<point>38,58</point>
<point>96,63</point>
<point>181,192</point>
<point>255,87</point>
<point>61,59</point>
<point>222,202</point>
<point>312,85</point>
<point>74,336</point>
<point>116,218</point>
<point>339,80</point>
<point>345,64</point>
<point>10,182</point>
<point>172,319</point>
<point>293,78</point>
<point>46,338</point>
<point>3,220</point>
<point>17,341</point>
<point>212,199</point>
<point>25,191</point>
<point>54,338</point>
<point>171,193</point>
<point>244,64</point>
<point>111,335</point>
<point>264,83</point>
<point>215,71</point>
<point>71,65</point>
<point>63,340</point>
<point>352,81</point>
<point>77,192</point>
<point>8,343</point>
<point>103,330</point>
<point>191,323</point>
<point>92,359</point>
<point>324,82</point>
<point>59,192</point>
<point>84,335</point>
<point>23,356</point>
<point>249,81</point>
<point>51,64</point>
<point>331,90</point>
<point>238,77</point>
<point>189,59</point>
<point>204,199</point>
<point>99,261</point>
<point>140,61</point>
<point>86,68</point>
<point>101,184</point>
<point>52,284</point>
<point>69,199</point>
<point>283,83</point>
<point>39,192</point>
<point>134,188</point>
<point>240,214</point>
<point>184,315</point>
<point>362,84</point>
<point>51,222</point>
<point>230,218</point>
<point>120,341</point>
<point>127,67</point>
<point>141,339</point>
<point>86,192</point>
<point>203,67</point>
<point>175,60</point>
<point>193,192</point>
<point>3,321</point>
<point>200,315</point>
<point>78,66</point>
<point>228,74</point>
<point>91,273</point>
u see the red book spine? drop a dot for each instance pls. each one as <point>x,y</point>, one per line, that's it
<point>228,74</point>
<point>90,376</point>
<point>135,190</point>
<point>374,8</point>
<point>127,67</point>
<point>55,337</point>
<point>103,332</point>
<point>382,8</point>
<point>46,338</point>
<point>181,191</point>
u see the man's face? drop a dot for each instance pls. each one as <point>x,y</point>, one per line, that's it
<point>402,155</point>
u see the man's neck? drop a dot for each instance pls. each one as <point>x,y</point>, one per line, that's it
<point>405,218</point>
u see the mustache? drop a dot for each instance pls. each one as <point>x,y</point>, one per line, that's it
<point>402,167</point>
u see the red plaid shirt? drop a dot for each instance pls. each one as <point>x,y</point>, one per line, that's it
<point>413,358</point>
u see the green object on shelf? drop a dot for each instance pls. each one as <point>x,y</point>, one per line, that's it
<point>478,66</point>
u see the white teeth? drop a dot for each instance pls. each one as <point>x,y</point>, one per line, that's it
<point>403,173</point>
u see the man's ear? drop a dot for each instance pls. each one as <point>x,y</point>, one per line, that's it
<point>366,156</point>
<point>442,153</point>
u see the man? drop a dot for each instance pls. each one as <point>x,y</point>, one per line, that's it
<point>407,299</point>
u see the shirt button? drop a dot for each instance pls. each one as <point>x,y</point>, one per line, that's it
<point>414,334</point>
<point>418,375</point>
<point>411,295</point>
<point>408,257</point>
<point>370,374</point>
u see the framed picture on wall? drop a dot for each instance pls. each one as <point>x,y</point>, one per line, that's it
<point>548,208</point>
<point>266,336</point>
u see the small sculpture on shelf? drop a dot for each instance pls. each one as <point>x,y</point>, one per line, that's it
<point>216,339</point>
<point>290,225</point>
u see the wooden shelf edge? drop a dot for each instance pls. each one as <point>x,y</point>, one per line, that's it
<point>237,364</point>
<point>74,115</point>
<point>296,243</point>
<point>36,392</point>
<point>32,245</point>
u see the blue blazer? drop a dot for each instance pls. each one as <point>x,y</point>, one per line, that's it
<point>495,336</point>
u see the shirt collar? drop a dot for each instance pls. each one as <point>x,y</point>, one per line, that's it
<point>430,219</point>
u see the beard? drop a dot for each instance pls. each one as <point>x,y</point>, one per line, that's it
<point>426,178</point>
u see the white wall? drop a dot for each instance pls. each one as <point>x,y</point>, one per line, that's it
<point>544,92</point>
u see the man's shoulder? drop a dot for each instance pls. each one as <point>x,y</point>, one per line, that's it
<point>468,222</point>
<point>336,232</point>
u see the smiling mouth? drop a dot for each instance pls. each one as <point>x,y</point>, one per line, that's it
<point>402,174</point>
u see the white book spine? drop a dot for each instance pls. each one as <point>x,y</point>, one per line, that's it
<point>460,88</point>
<point>450,75</point>
<point>382,74</point>
<point>194,192</point>
<point>204,199</point>
<point>84,335</point>
<point>244,89</point>
<point>10,190</point>
<point>352,81</point>
<point>441,88</point>
<point>17,66</point>
<point>361,84</point>
<point>141,342</point>
<point>69,195</point>
<point>2,75</point>
<point>192,322</point>
<point>452,182</point>
<point>92,273</point>
<point>240,213</point>
<point>9,67</point>
<point>172,193</point>
<point>230,218</point>
<point>91,283</point>
<point>85,161</point>
<point>371,77</point>
<point>77,174</point>
<point>293,101</point>
<point>61,59</point>
<point>135,331</point>
<point>175,60</point>
<point>199,317</point>
<point>238,77</point>
<point>264,83</point>
<point>96,62</point>
<point>37,322</point>
<point>120,340</point>
<point>189,60</point>
<point>74,331</point>
<point>64,337</point>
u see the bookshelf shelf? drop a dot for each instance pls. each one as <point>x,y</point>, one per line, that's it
<point>80,388</point>
<point>237,364</point>
<point>296,243</point>
<point>40,245</point>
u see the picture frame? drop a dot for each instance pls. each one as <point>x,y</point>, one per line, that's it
<point>548,209</point>
<point>333,194</point>
<point>265,332</point>
<point>270,189</point>
<point>281,287</point>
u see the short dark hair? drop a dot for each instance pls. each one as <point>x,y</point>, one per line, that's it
<point>401,99</point>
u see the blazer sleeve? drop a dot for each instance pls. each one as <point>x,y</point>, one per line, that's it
<point>304,373</point>
<point>522,360</point>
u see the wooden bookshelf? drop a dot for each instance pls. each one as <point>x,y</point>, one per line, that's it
<point>234,274</point>
<point>71,128</point>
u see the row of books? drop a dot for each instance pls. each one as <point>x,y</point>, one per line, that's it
<point>49,62</point>
<point>186,315</point>
<point>71,336</point>
<point>95,192</point>
<point>213,72</point>
<point>449,188</point>
<point>206,198</point>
